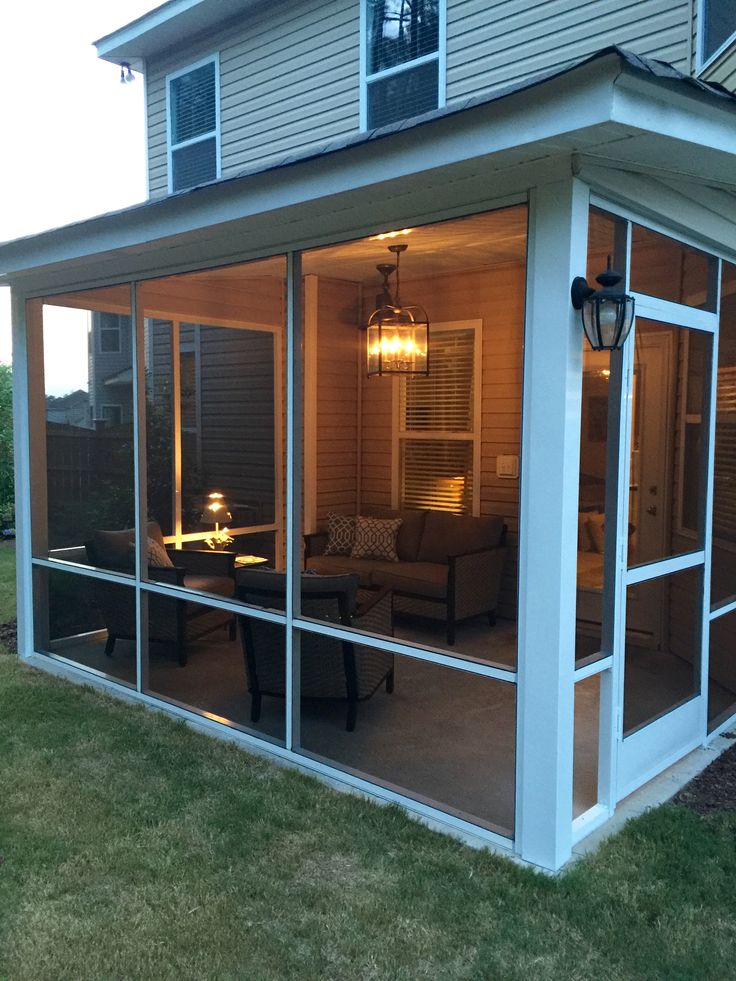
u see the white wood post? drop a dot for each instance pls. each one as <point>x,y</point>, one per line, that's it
<point>22,452</point>
<point>549,497</point>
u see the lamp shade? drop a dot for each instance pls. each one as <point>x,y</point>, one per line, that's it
<point>398,341</point>
<point>607,313</point>
<point>215,510</point>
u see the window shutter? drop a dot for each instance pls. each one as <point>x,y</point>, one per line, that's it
<point>438,427</point>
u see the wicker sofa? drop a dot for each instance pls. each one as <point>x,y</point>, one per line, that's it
<point>449,565</point>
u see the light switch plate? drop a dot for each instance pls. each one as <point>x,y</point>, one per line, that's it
<point>507,466</point>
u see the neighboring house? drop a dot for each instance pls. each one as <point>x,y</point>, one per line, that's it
<point>535,540</point>
<point>110,369</point>
<point>70,410</point>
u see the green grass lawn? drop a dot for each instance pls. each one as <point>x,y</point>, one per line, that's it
<point>133,848</point>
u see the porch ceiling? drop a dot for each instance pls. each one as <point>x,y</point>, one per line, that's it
<point>607,110</point>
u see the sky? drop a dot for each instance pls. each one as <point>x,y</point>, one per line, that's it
<point>71,138</point>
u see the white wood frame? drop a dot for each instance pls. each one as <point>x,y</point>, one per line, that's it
<point>552,403</point>
<point>440,56</point>
<point>555,207</point>
<point>171,148</point>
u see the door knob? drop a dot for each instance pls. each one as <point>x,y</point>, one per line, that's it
<point>652,509</point>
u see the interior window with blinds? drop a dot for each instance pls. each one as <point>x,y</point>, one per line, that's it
<point>723,556</point>
<point>402,59</point>
<point>193,111</point>
<point>719,24</point>
<point>438,431</point>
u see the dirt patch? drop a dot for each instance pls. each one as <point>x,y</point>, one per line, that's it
<point>9,636</point>
<point>715,788</point>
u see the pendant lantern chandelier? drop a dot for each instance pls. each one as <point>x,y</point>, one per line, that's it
<point>397,335</point>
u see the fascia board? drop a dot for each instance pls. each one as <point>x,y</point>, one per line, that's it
<point>651,105</point>
<point>561,117</point>
<point>167,26</point>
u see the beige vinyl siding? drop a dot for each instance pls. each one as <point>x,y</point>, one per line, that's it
<point>288,81</point>
<point>337,399</point>
<point>497,43</point>
<point>495,296</point>
<point>723,69</point>
<point>289,72</point>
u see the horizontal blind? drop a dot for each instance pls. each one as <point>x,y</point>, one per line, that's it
<point>194,164</point>
<point>405,94</point>
<point>437,474</point>
<point>193,104</point>
<point>443,401</point>
<point>400,31</point>
<point>724,481</point>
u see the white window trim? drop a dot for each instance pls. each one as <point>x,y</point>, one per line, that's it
<point>210,59</point>
<point>440,56</point>
<point>111,405</point>
<point>701,62</point>
<point>106,329</point>
<point>474,436</point>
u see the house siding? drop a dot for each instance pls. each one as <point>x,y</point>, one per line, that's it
<point>290,80</point>
<point>493,44</point>
<point>286,80</point>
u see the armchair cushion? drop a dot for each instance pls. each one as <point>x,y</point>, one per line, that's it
<point>157,555</point>
<point>112,549</point>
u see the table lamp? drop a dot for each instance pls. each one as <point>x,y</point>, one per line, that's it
<point>215,513</point>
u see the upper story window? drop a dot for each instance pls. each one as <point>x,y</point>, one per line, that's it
<point>109,333</point>
<point>718,25</point>
<point>404,45</point>
<point>193,112</point>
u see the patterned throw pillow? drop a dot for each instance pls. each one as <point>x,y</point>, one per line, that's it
<point>340,534</point>
<point>375,538</point>
<point>158,557</point>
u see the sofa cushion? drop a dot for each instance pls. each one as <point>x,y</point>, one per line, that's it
<point>375,538</point>
<point>340,534</point>
<point>424,578</point>
<point>410,531</point>
<point>455,534</point>
<point>337,565</point>
<point>219,585</point>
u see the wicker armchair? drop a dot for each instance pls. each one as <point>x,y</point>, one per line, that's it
<point>329,668</point>
<point>171,622</point>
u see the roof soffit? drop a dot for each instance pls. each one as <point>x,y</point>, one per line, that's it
<point>600,109</point>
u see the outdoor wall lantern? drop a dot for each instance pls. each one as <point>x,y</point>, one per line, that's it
<point>607,313</point>
<point>397,335</point>
<point>216,513</point>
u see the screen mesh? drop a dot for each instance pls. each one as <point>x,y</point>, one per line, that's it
<point>194,164</point>
<point>408,93</point>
